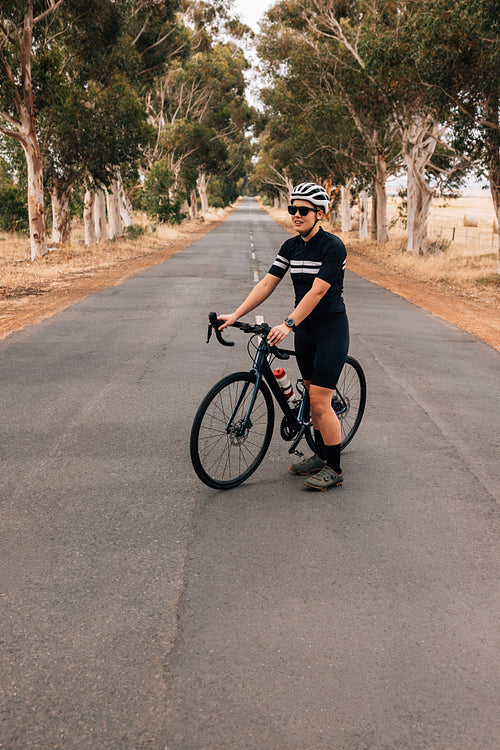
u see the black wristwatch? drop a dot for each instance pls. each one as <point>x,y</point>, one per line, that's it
<point>290,323</point>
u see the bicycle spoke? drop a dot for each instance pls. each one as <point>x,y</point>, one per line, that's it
<point>228,442</point>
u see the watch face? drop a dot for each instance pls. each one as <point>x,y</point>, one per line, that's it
<point>290,322</point>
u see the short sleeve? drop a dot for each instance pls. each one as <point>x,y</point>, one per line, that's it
<point>281,263</point>
<point>334,261</point>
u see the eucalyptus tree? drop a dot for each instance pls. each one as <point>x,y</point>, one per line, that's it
<point>201,115</point>
<point>352,120</point>
<point>459,59</point>
<point>23,24</point>
<point>56,57</point>
<point>370,55</point>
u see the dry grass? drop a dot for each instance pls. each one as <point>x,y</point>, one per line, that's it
<point>468,263</point>
<point>459,284</point>
<point>20,276</point>
<point>31,291</point>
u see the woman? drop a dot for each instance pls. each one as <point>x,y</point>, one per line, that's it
<point>316,260</point>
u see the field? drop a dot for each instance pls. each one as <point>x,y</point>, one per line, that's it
<point>459,283</point>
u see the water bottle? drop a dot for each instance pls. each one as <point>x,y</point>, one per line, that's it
<point>284,382</point>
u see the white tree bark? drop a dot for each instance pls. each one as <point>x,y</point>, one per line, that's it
<point>192,205</point>
<point>419,140</point>
<point>492,143</point>
<point>363,214</point>
<point>36,210</point>
<point>23,129</point>
<point>495,194</point>
<point>88,217</point>
<point>124,203</point>
<point>381,199</point>
<point>345,198</point>
<point>61,217</point>
<point>202,186</point>
<point>113,206</point>
<point>100,215</point>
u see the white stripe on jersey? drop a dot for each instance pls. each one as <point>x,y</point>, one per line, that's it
<point>317,263</point>
<point>279,264</point>
<point>312,271</point>
<point>310,267</point>
<point>283,260</point>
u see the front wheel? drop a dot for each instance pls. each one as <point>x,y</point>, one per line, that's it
<point>348,402</point>
<point>230,436</point>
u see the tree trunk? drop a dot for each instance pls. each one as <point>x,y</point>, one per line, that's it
<point>381,198</point>
<point>193,204</point>
<point>419,140</point>
<point>495,194</point>
<point>25,133</point>
<point>113,206</point>
<point>345,193</point>
<point>419,204</point>
<point>363,214</point>
<point>100,216</point>
<point>36,210</point>
<point>61,217</point>
<point>492,141</point>
<point>374,213</point>
<point>202,186</point>
<point>88,217</point>
<point>124,203</point>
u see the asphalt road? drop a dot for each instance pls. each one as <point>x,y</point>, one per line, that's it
<point>140,609</point>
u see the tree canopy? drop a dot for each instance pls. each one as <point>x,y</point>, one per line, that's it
<point>100,93</point>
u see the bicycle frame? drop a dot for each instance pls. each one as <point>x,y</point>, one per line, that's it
<point>262,369</point>
<point>234,423</point>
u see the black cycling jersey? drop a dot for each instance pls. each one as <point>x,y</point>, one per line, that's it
<point>322,257</point>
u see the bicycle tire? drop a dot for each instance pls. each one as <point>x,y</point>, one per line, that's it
<point>221,456</point>
<point>348,402</point>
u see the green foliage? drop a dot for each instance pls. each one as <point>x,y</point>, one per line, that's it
<point>156,197</point>
<point>134,231</point>
<point>222,191</point>
<point>13,203</point>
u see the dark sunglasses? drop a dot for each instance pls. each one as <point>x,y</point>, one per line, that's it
<point>303,210</point>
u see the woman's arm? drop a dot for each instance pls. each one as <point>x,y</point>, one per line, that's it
<point>310,300</point>
<point>303,309</point>
<point>261,291</point>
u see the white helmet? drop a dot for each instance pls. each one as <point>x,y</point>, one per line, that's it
<point>315,194</point>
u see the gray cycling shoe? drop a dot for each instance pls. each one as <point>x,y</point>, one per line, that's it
<point>325,479</point>
<point>308,465</point>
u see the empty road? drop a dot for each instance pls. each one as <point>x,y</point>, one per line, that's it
<point>141,609</point>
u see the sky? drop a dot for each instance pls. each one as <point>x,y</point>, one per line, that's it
<point>251,11</point>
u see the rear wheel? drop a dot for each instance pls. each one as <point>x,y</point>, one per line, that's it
<point>348,402</point>
<point>227,443</point>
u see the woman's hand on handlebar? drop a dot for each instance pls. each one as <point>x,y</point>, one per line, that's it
<point>278,334</point>
<point>228,320</point>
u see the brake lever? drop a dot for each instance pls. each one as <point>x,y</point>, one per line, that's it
<point>214,323</point>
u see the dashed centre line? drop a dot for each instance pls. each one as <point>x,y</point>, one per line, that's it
<point>253,255</point>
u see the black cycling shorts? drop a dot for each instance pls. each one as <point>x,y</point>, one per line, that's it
<point>321,348</point>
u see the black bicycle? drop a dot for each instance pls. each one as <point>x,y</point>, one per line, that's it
<point>234,424</point>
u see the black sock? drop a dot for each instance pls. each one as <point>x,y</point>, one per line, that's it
<point>320,445</point>
<point>333,457</point>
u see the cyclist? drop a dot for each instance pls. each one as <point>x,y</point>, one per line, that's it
<point>316,260</point>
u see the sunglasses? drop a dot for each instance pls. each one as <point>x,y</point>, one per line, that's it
<point>303,210</point>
